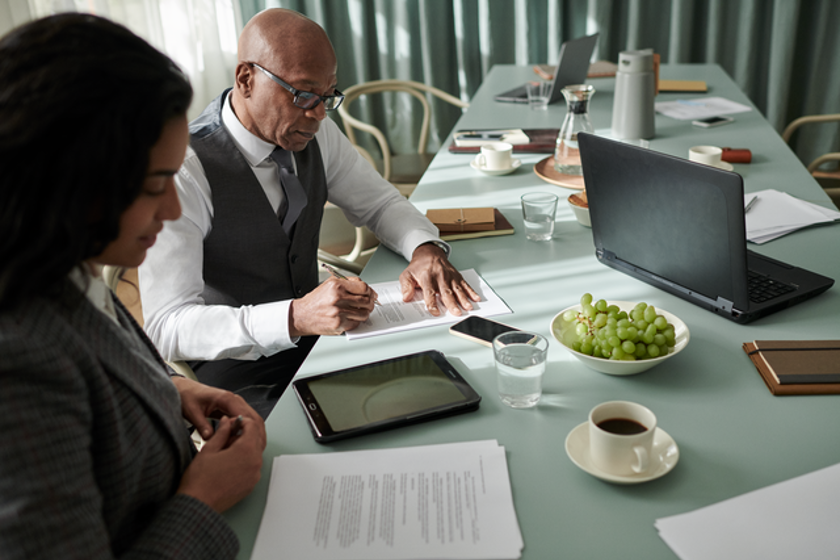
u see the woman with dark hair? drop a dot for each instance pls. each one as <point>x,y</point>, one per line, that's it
<point>96,460</point>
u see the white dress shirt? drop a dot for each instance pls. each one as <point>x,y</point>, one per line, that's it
<point>171,279</point>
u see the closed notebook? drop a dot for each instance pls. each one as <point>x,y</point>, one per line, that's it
<point>501,226</point>
<point>533,140</point>
<point>797,366</point>
<point>462,220</point>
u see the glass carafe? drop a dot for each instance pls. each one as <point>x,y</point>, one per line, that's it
<point>566,153</point>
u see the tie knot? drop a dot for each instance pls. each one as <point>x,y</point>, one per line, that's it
<point>283,158</point>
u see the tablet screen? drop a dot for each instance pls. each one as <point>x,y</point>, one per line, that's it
<point>383,394</point>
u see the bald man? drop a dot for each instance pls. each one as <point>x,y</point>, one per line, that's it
<point>233,284</point>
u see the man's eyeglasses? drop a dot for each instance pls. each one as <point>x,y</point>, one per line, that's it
<point>306,99</point>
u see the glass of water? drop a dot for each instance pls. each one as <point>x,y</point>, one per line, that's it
<point>538,209</point>
<point>520,365</point>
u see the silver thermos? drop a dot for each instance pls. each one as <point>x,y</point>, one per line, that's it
<point>635,88</point>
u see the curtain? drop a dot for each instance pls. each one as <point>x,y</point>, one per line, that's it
<point>780,52</point>
<point>199,35</point>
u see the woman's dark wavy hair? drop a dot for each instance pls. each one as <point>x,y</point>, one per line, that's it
<point>82,102</point>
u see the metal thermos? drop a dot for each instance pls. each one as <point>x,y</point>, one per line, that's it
<point>635,88</point>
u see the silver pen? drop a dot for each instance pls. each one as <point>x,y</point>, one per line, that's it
<point>750,204</point>
<point>340,276</point>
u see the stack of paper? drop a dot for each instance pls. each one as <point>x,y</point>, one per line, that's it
<point>774,214</point>
<point>395,315</point>
<point>793,519</point>
<point>449,501</point>
<point>699,108</point>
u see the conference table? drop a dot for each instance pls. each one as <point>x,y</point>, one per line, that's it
<point>733,435</point>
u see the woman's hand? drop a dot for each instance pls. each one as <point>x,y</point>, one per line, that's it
<point>200,402</point>
<point>228,466</point>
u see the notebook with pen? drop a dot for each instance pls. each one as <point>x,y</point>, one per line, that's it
<point>689,234</point>
<point>572,68</point>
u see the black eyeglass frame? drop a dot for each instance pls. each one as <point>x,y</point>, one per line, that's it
<point>306,99</point>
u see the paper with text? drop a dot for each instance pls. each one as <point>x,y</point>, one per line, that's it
<point>699,108</point>
<point>439,501</point>
<point>395,315</point>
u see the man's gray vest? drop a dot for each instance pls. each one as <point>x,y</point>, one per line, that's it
<point>248,258</point>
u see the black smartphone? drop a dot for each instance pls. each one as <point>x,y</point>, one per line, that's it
<point>479,329</point>
<point>383,395</point>
<point>712,121</point>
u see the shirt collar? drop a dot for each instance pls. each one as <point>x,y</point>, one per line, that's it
<point>254,149</point>
<point>95,290</point>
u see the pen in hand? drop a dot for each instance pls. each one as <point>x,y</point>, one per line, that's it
<point>340,276</point>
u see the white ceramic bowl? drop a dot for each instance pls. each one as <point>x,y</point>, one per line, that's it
<point>581,213</point>
<point>565,334</point>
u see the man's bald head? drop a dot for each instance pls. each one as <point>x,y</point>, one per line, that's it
<point>280,38</point>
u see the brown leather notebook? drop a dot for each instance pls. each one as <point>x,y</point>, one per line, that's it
<point>797,367</point>
<point>501,226</point>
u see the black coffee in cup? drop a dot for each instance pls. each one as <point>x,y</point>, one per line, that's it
<point>621,426</point>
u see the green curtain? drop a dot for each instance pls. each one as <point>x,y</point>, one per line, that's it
<point>780,52</point>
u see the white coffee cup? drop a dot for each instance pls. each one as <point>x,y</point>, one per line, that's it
<point>495,156</point>
<point>710,155</point>
<point>613,446</point>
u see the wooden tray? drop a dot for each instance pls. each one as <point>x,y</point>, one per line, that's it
<point>545,171</point>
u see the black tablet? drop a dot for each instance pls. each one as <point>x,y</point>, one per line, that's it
<point>383,395</point>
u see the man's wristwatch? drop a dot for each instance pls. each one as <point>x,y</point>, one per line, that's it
<point>440,245</point>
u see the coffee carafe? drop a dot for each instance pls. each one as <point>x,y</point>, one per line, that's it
<point>635,89</point>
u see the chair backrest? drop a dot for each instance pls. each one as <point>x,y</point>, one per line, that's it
<point>416,89</point>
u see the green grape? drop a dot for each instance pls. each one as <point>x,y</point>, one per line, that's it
<point>629,358</point>
<point>604,331</point>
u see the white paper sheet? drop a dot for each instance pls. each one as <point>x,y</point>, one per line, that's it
<point>699,108</point>
<point>394,315</point>
<point>448,501</point>
<point>775,214</point>
<point>793,519</point>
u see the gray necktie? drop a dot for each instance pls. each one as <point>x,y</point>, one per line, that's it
<point>295,194</point>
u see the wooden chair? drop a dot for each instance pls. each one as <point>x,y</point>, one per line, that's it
<point>830,180</point>
<point>124,283</point>
<point>404,170</point>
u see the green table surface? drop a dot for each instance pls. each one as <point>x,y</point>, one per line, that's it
<point>733,435</point>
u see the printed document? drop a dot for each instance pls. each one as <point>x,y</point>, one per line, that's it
<point>439,501</point>
<point>394,315</point>
<point>699,108</point>
<point>774,214</point>
<point>792,519</point>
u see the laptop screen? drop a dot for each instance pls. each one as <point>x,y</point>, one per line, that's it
<point>673,221</point>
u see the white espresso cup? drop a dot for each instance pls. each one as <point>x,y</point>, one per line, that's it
<point>621,437</point>
<point>710,155</point>
<point>495,156</point>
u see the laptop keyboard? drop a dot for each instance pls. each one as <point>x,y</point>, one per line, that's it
<point>763,288</point>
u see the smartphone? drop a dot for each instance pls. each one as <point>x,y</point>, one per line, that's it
<point>712,121</point>
<point>479,329</point>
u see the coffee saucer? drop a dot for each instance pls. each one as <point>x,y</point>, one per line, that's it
<point>665,455</point>
<point>514,165</point>
<point>725,165</point>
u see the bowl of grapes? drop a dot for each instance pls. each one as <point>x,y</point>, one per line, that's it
<point>619,337</point>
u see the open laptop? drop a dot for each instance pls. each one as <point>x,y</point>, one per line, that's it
<point>572,67</point>
<point>679,226</point>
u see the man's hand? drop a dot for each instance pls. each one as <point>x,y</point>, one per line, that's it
<point>200,402</point>
<point>430,271</point>
<point>335,306</point>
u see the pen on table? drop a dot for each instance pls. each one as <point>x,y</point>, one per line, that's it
<point>750,204</point>
<point>340,276</point>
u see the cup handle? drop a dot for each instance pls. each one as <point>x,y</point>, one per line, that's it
<point>643,459</point>
<point>479,160</point>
